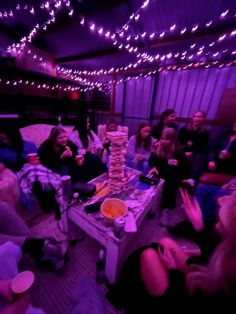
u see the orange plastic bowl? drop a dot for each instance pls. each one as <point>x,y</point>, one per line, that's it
<point>112,208</point>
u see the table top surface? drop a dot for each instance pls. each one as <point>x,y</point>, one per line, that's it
<point>135,194</point>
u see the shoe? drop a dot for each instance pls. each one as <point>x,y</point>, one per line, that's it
<point>54,254</point>
<point>165,218</point>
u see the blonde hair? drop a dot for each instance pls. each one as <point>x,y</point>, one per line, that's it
<point>220,273</point>
<point>163,152</point>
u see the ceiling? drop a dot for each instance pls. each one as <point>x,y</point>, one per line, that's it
<point>78,47</point>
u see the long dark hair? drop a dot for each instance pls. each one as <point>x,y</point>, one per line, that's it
<point>81,127</point>
<point>147,141</point>
<point>164,115</point>
<point>14,136</point>
<point>17,143</point>
<point>54,133</point>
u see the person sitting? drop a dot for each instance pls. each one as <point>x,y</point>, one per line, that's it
<point>140,147</point>
<point>13,229</point>
<point>194,139</point>
<point>58,153</point>
<point>208,197</point>
<point>15,241</point>
<point>171,165</point>
<point>161,276</point>
<point>223,157</point>
<point>85,139</point>
<point>13,149</point>
<point>111,126</point>
<point>167,120</point>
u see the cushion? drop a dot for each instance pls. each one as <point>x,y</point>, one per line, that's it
<point>38,133</point>
<point>215,178</point>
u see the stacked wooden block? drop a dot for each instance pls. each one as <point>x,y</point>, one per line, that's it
<point>118,149</point>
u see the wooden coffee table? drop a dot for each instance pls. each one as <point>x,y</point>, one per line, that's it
<point>100,229</point>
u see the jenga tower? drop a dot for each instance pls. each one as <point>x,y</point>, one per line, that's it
<point>118,148</point>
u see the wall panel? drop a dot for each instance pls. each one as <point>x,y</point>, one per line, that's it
<point>185,91</point>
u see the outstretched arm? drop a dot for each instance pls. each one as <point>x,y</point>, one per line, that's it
<point>192,210</point>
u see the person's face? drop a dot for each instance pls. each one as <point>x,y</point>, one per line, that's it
<point>198,118</point>
<point>222,201</point>
<point>112,127</point>
<point>171,118</point>
<point>62,139</point>
<point>165,142</point>
<point>4,139</point>
<point>145,132</point>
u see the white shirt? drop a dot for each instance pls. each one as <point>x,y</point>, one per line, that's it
<point>94,143</point>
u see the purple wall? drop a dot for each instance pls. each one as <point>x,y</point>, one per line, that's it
<point>185,91</point>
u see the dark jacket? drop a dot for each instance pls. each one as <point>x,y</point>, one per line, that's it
<point>51,158</point>
<point>15,160</point>
<point>157,129</point>
<point>195,141</point>
<point>166,169</point>
<point>227,166</point>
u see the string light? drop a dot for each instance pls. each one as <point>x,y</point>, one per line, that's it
<point>175,29</point>
<point>108,35</point>
<point>53,8</point>
<point>135,15</point>
<point>41,86</point>
<point>19,8</point>
<point>146,58</point>
<point>181,67</point>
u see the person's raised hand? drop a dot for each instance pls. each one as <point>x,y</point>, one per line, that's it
<point>66,153</point>
<point>192,210</point>
<point>167,256</point>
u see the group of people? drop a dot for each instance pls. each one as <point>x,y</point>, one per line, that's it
<point>163,276</point>
<point>180,157</point>
<point>159,274</point>
<point>58,152</point>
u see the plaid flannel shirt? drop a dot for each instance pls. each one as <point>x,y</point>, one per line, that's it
<point>30,174</point>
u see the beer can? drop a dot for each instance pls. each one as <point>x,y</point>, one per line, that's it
<point>119,225</point>
<point>66,187</point>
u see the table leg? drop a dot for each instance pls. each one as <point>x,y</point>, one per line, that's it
<point>112,265</point>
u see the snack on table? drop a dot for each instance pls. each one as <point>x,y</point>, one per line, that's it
<point>112,208</point>
<point>103,192</point>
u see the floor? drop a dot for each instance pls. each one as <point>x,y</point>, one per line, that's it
<point>52,291</point>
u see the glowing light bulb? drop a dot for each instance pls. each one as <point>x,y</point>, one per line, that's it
<point>223,14</point>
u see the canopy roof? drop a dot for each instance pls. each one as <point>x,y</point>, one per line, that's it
<point>122,34</point>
